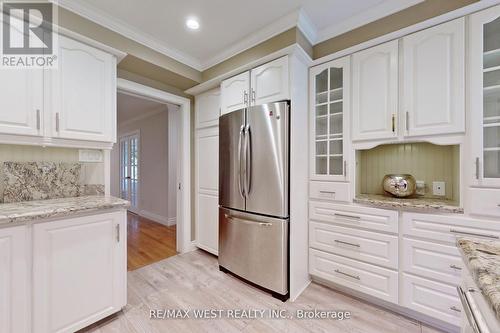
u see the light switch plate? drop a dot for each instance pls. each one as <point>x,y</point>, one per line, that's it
<point>438,188</point>
<point>90,155</point>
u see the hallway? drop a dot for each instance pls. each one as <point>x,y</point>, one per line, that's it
<point>148,241</point>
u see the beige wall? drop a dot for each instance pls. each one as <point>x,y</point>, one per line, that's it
<point>402,19</point>
<point>141,59</point>
<point>92,173</point>
<point>153,162</point>
<point>424,161</point>
<point>267,47</point>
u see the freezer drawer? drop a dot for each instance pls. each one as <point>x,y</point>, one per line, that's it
<point>255,248</point>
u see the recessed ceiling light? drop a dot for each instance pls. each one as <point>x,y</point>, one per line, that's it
<point>192,24</point>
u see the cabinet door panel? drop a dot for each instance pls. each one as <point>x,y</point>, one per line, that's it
<point>207,189</point>
<point>270,82</point>
<point>375,92</point>
<point>207,107</point>
<point>208,223</point>
<point>13,281</point>
<point>22,99</point>
<point>483,166</point>
<point>235,93</point>
<point>330,120</point>
<point>79,267</point>
<point>84,93</point>
<point>434,80</point>
<point>22,95</point>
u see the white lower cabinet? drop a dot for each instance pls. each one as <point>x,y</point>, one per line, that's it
<point>372,247</point>
<point>432,260</point>
<point>79,271</point>
<point>435,299</point>
<point>370,279</point>
<point>354,216</point>
<point>13,281</point>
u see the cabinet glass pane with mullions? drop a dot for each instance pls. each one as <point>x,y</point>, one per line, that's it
<point>329,115</point>
<point>491,99</point>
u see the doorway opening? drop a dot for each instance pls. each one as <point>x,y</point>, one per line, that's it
<point>147,170</point>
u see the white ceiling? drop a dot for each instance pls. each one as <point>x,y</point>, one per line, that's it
<point>228,26</point>
<point>131,107</point>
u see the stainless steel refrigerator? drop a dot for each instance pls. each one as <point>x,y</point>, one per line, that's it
<point>254,195</point>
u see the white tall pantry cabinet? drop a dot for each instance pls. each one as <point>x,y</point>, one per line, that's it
<point>207,111</point>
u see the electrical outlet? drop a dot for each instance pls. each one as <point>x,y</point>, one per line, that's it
<point>438,188</point>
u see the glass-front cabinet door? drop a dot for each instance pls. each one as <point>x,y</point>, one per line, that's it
<point>329,99</point>
<point>485,97</point>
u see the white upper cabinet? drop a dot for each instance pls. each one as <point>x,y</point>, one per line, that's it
<point>235,93</point>
<point>83,98</point>
<point>484,76</point>
<point>265,84</point>
<point>21,101</point>
<point>375,92</point>
<point>434,80</point>
<point>14,315</point>
<point>330,113</point>
<point>207,108</point>
<point>21,104</point>
<point>270,82</point>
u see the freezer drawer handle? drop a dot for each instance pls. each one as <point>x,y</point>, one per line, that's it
<point>247,221</point>
<point>349,275</point>
<point>454,231</point>
<point>474,318</point>
<point>454,308</point>
<point>456,267</point>
<point>346,243</point>
<point>347,216</point>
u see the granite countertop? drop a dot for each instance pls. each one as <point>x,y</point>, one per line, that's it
<point>28,211</point>
<point>482,257</point>
<point>421,204</point>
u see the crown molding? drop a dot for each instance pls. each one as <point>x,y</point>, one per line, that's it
<point>278,26</point>
<point>384,9</point>
<point>307,27</point>
<point>97,16</point>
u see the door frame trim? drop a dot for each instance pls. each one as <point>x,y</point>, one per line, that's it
<point>183,236</point>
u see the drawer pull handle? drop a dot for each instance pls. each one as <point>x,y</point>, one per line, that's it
<point>456,267</point>
<point>347,216</point>
<point>346,243</point>
<point>454,308</point>
<point>327,192</point>
<point>349,275</point>
<point>454,231</point>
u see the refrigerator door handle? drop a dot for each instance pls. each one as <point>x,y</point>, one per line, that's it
<point>240,172</point>
<point>248,160</point>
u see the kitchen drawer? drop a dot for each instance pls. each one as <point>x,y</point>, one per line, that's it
<point>432,298</point>
<point>435,261</point>
<point>371,247</point>
<point>484,201</point>
<point>354,216</point>
<point>446,228</point>
<point>370,279</point>
<point>329,191</point>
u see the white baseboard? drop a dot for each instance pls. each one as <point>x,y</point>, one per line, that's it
<point>172,221</point>
<point>154,217</point>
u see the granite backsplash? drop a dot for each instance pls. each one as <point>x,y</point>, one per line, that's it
<point>27,181</point>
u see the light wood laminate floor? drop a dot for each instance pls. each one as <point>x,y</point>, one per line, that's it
<point>148,241</point>
<point>193,281</point>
